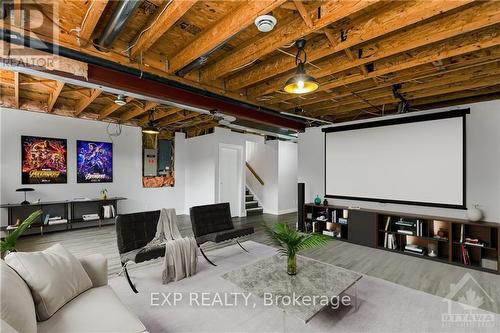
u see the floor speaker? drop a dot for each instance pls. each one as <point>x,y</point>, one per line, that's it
<point>300,208</point>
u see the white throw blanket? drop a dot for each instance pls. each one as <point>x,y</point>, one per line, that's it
<point>180,252</point>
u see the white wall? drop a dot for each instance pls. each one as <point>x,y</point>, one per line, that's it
<point>127,163</point>
<point>287,177</point>
<point>202,166</point>
<point>483,166</point>
<point>196,165</point>
<point>276,163</point>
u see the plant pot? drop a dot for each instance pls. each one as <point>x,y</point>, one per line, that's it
<point>291,268</point>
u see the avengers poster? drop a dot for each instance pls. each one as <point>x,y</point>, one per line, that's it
<point>43,160</point>
<point>94,162</point>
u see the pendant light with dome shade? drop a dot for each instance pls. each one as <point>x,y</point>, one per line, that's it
<point>301,82</point>
<point>150,128</point>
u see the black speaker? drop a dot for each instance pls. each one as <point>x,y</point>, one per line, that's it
<point>300,203</point>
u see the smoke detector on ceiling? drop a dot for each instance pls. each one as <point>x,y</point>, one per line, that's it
<point>120,100</point>
<point>265,23</point>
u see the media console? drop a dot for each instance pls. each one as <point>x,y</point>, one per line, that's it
<point>70,210</point>
<point>441,239</point>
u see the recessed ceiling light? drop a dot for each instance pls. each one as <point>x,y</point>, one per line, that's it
<point>265,23</point>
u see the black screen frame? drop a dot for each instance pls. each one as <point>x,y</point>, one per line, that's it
<point>406,120</point>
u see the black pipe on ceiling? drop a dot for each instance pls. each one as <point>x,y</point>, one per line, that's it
<point>34,43</point>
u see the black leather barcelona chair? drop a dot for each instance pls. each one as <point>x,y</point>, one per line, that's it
<point>133,232</point>
<point>213,223</point>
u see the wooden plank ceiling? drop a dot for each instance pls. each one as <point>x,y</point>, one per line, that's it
<point>434,52</point>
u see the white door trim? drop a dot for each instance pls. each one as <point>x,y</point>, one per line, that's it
<point>239,150</point>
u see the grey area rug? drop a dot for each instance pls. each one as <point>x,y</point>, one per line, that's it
<point>207,302</point>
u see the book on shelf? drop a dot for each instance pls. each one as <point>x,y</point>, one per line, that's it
<point>413,252</point>
<point>474,242</point>
<point>406,232</point>
<point>464,255</point>
<point>59,221</point>
<point>461,233</point>
<point>90,217</point>
<point>330,233</point>
<point>387,223</point>
<point>391,242</point>
<point>414,248</point>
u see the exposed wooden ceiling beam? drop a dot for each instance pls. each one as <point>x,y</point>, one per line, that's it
<point>442,29</point>
<point>224,29</point>
<point>166,18</point>
<point>177,118</point>
<point>112,107</point>
<point>463,76</point>
<point>303,13</point>
<point>94,13</point>
<point>283,34</point>
<point>159,114</point>
<point>84,102</point>
<point>18,14</point>
<point>412,74</point>
<point>54,95</point>
<point>137,111</point>
<point>418,75</point>
<point>16,89</point>
<point>446,50</point>
<point>434,91</point>
<point>346,35</point>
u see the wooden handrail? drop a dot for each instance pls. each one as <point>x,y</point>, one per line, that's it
<point>254,174</point>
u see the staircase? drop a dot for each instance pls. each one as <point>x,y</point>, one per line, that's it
<point>251,204</point>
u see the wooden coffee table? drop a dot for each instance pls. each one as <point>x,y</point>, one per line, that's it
<point>315,280</point>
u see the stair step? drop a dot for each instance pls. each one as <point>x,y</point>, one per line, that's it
<point>254,211</point>
<point>251,204</point>
<point>248,197</point>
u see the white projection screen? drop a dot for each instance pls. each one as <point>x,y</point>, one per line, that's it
<point>416,160</point>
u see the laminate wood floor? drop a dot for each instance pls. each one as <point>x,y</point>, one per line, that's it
<point>428,276</point>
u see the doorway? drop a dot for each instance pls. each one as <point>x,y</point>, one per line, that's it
<point>230,176</point>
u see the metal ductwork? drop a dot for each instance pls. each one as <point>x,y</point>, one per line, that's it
<point>121,15</point>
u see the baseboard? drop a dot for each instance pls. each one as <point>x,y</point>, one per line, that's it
<point>280,212</point>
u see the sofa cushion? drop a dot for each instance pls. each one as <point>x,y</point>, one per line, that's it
<point>96,310</point>
<point>16,303</point>
<point>54,276</point>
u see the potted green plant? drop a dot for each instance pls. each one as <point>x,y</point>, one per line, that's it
<point>8,244</point>
<point>292,242</point>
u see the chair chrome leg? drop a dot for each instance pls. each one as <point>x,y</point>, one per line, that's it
<point>242,246</point>
<point>204,256</point>
<point>124,266</point>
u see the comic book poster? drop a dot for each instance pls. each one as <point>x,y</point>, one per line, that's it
<point>44,160</point>
<point>94,162</point>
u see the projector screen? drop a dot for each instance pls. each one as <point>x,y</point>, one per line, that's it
<point>415,160</point>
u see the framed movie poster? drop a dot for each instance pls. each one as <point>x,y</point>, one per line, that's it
<point>94,162</point>
<point>44,160</point>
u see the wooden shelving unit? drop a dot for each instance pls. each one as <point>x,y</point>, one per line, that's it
<point>368,227</point>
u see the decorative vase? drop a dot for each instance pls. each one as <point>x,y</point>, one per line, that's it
<point>317,200</point>
<point>474,213</point>
<point>291,267</point>
<point>325,202</point>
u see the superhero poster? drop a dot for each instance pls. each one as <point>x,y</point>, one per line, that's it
<point>94,163</point>
<point>43,160</point>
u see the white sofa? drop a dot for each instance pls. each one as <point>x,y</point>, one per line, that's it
<point>96,310</point>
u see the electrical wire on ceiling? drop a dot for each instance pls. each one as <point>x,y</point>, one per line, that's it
<point>149,27</point>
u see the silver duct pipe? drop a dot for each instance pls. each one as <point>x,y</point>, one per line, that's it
<point>116,23</point>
